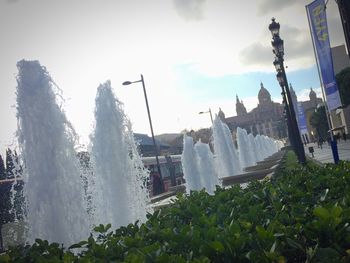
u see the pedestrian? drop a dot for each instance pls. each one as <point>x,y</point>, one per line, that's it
<point>157,184</point>
<point>320,141</point>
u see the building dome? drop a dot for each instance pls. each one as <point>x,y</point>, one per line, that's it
<point>312,95</point>
<point>264,96</point>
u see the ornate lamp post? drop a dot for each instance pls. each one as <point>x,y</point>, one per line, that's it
<point>278,50</point>
<point>150,124</point>
<point>291,135</point>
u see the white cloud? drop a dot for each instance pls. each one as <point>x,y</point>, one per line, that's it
<point>256,54</point>
<point>303,95</point>
<point>190,9</point>
<point>250,102</point>
<point>268,6</point>
<point>118,40</point>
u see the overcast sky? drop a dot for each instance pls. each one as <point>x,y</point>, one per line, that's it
<point>194,55</point>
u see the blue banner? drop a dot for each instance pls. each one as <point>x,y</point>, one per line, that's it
<point>316,12</point>
<point>301,119</point>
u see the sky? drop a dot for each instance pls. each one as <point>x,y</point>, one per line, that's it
<point>195,55</point>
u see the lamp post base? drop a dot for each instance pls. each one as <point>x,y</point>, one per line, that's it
<point>335,150</point>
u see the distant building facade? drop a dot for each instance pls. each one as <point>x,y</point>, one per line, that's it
<point>340,118</point>
<point>266,119</point>
<point>344,11</point>
<point>146,146</point>
<point>308,107</point>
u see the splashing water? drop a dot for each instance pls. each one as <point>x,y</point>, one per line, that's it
<point>246,156</point>
<point>121,194</point>
<point>260,146</point>
<point>227,160</point>
<point>206,168</point>
<point>52,184</point>
<point>190,166</point>
<point>254,149</point>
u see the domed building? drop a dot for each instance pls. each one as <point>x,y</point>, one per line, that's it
<point>309,107</point>
<point>313,98</point>
<point>264,96</point>
<point>267,118</point>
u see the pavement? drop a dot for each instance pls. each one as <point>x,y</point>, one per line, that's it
<point>325,154</point>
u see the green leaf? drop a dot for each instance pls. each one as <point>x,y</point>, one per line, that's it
<point>262,233</point>
<point>5,258</point>
<point>294,244</point>
<point>327,255</point>
<point>78,245</point>
<point>217,246</point>
<point>68,258</point>
<point>100,229</point>
<point>324,195</point>
<point>336,211</point>
<point>108,226</point>
<point>272,249</point>
<point>321,212</point>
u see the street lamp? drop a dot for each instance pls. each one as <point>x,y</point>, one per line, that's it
<point>280,80</point>
<point>150,124</point>
<point>278,50</point>
<point>274,27</point>
<point>277,65</point>
<point>209,111</point>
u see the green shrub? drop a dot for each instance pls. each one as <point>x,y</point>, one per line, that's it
<point>301,215</point>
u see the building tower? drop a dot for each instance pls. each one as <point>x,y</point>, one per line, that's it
<point>240,109</point>
<point>221,115</point>
<point>313,98</point>
<point>264,96</point>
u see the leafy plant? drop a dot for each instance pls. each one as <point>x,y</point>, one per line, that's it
<point>301,215</point>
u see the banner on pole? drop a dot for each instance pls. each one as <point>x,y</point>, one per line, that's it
<point>301,119</point>
<point>316,12</point>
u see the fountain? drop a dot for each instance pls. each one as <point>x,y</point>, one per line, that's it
<point>63,201</point>
<point>227,160</point>
<point>206,168</point>
<point>190,166</point>
<point>260,146</point>
<point>198,166</point>
<point>254,149</point>
<point>121,195</point>
<point>246,156</point>
<point>53,189</point>
<point>279,145</point>
<point>66,194</point>
<point>269,145</point>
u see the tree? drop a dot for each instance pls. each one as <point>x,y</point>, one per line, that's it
<point>10,167</point>
<point>319,121</point>
<point>203,134</point>
<point>13,167</point>
<point>343,81</point>
<point>2,169</point>
<point>13,170</point>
